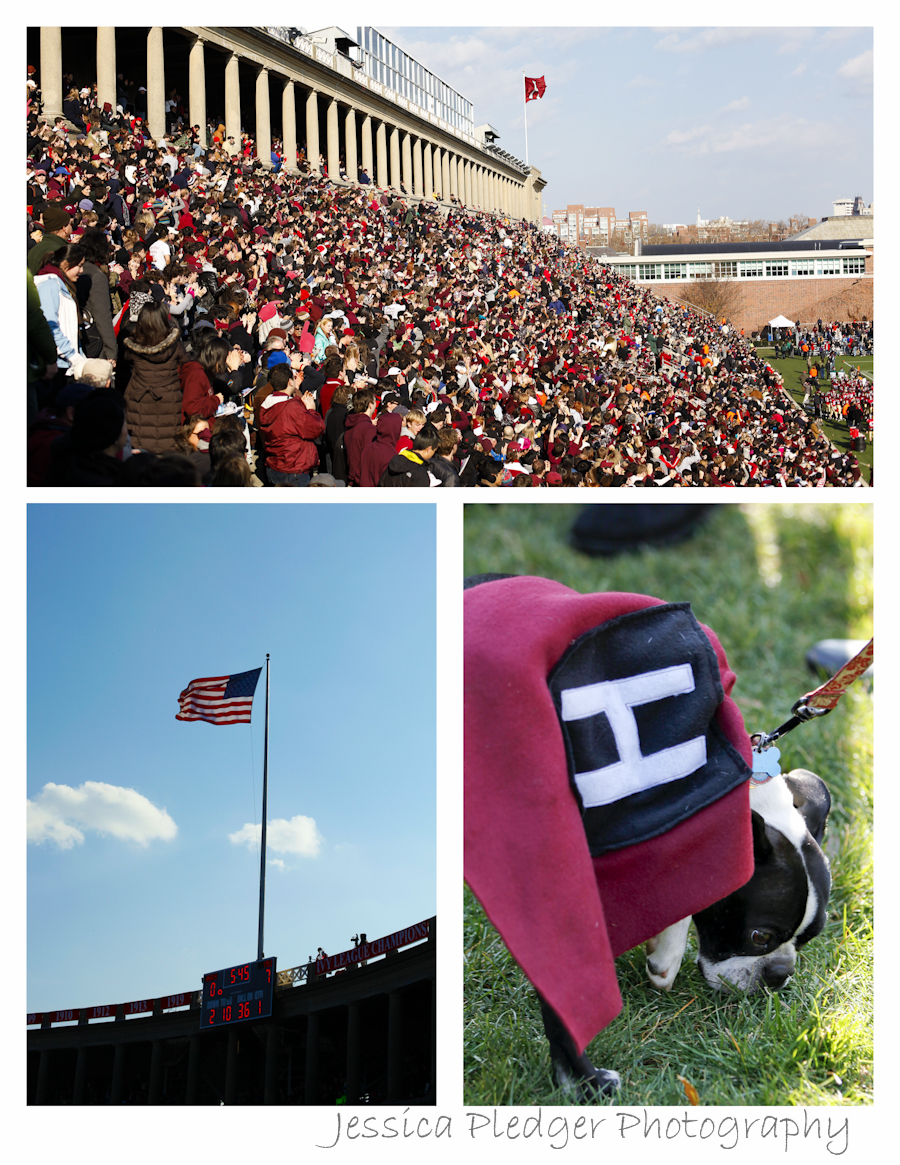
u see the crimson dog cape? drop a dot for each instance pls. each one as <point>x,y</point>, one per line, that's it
<point>606,780</point>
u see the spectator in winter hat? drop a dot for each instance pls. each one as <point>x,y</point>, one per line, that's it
<point>57,232</point>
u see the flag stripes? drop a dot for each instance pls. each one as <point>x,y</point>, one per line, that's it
<point>219,699</point>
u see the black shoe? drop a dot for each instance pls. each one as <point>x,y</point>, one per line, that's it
<point>611,529</point>
<point>828,656</point>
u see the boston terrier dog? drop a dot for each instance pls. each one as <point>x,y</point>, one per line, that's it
<point>749,939</point>
<point>609,720</point>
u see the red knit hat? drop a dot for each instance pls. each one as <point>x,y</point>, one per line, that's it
<point>576,846</point>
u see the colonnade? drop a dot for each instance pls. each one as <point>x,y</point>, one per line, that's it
<point>392,145</point>
<point>93,1073</point>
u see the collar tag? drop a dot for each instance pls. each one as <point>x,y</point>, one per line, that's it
<point>765,765</point>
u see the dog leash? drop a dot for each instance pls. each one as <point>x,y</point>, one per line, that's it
<point>817,703</point>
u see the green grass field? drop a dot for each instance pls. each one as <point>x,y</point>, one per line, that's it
<point>794,370</point>
<point>771,580</point>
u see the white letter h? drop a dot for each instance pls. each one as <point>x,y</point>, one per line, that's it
<point>633,771</point>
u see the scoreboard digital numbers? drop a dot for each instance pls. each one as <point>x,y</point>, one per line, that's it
<point>238,993</point>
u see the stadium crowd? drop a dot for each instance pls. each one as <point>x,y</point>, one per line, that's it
<point>196,318</point>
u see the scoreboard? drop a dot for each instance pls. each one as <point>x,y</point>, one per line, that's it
<point>237,993</point>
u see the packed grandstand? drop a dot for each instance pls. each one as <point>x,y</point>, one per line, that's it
<point>197,318</point>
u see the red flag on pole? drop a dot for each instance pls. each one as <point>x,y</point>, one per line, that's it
<point>534,88</point>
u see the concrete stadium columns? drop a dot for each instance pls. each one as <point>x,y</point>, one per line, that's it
<point>395,157</point>
<point>156,84</point>
<point>428,170</point>
<point>354,1052</point>
<point>117,1087</point>
<point>311,1086</point>
<point>289,127</point>
<point>193,1070</point>
<point>417,167</point>
<point>312,131</point>
<point>51,72</point>
<point>394,1047</point>
<point>154,1092</point>
<point>273,1038</point>
<point>233,98</point>
<point>350,156</point>
<point>454,175</point>
<point>367,147</point>
<point>106,66</point>
<point>197,86</point>
<point>381,154</point>
<point>263,119</point>
<point>467,182</point>
<point>406,159</point>
<point>80,1076</point>
<point>445,175</point>
<point>231,1068</point>
<point>333,154</point>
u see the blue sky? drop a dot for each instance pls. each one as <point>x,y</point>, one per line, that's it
<point>751,123</point>
<point>136,889</point>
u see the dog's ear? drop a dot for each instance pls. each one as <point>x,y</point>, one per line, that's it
<point>811,799</point>
<point>762,847</point>
<point>474,579</point>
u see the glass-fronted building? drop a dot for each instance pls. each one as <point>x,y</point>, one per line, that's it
<point>384,62</point>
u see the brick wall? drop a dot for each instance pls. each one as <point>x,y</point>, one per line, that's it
<point>841,298</point>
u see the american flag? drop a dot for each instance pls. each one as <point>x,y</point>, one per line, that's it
<point>220,699</point>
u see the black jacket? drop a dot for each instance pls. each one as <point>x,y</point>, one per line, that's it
<point>445,471</point>
<point>406,469</point>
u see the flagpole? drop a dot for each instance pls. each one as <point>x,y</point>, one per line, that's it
<point>262,860</point>
<point>525,107</point>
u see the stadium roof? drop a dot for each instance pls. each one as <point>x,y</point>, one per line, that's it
<point>841,226</point>
<point>661,250</point>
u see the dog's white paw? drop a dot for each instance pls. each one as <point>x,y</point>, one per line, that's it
<point>662,978</point>
<point>664,954</point>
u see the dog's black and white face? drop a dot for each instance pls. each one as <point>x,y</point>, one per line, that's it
<point>750,938</point>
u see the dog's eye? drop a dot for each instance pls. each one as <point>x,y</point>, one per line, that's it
<point>761,938</point>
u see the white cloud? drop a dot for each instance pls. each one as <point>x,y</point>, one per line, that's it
<point>796,133</point>
<point>707,38</point>
<point>741,103</point>
<point>297,836</point>
<point>800,69</point>
<point>680,138</point>
<point>640,82</point>
<point>60,813</point>
<point>858,71</point>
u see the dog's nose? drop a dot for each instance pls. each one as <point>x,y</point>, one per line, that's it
<point>776,972</point>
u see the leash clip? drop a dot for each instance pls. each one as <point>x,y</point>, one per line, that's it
<point>763,740</point>
<point>804,711</point>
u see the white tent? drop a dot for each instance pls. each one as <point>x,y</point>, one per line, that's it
<point>781,322</point>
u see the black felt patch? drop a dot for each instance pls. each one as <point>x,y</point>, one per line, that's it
<point>637,697</point>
